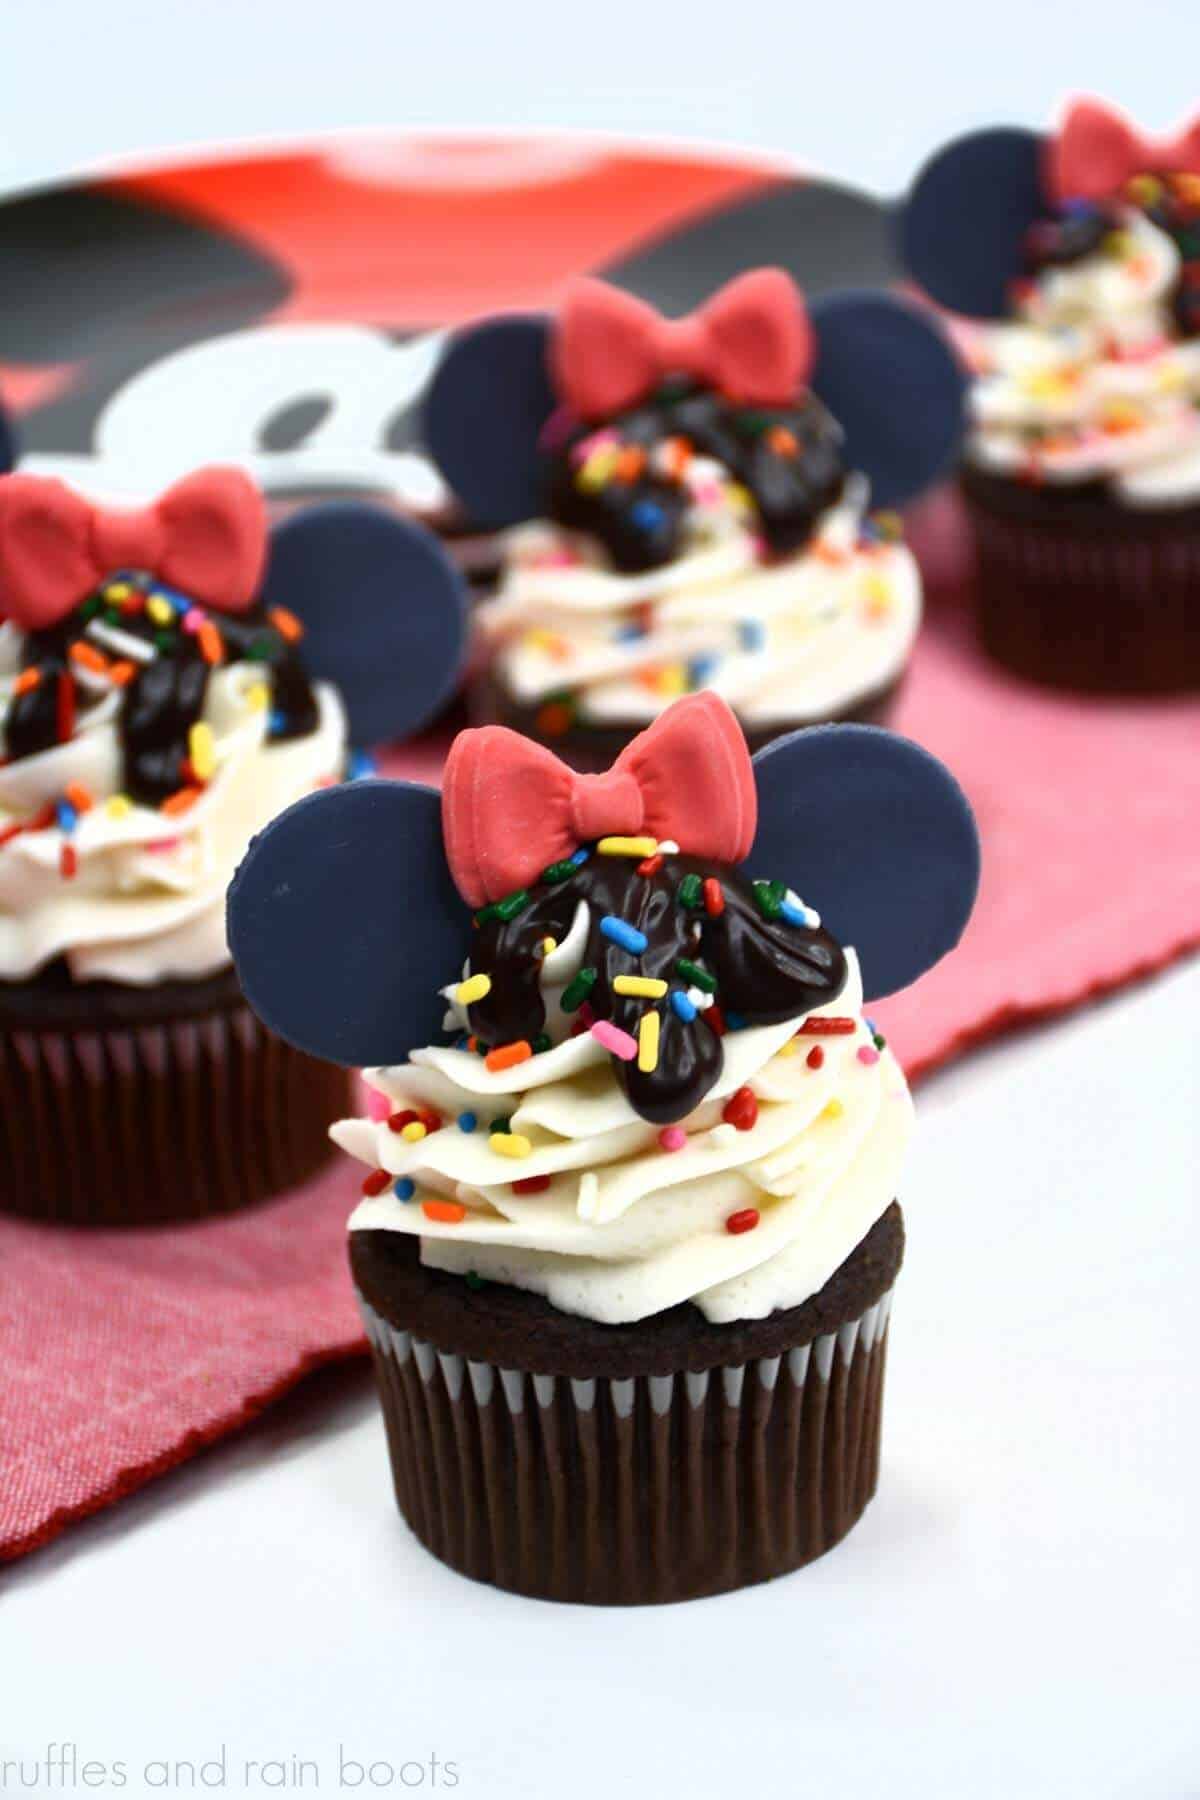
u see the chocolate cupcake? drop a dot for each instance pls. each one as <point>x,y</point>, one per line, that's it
<point>690,505</point>
<point>1082,476</point>
<point>629,1233</point>
<point>159,703</point>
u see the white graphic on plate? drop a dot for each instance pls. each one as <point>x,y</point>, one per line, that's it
<point>213,401</point>
<point>485,166</point>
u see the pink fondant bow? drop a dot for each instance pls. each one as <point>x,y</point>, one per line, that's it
<point>206,535</point>
<point>752,342</point>
<point>1098,150</point>
<point>510,808</point>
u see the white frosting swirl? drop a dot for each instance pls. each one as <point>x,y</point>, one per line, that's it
<point>626,1228</point>
<point>1091,381</point>
<point>798,639</point>
<point>146,901</point>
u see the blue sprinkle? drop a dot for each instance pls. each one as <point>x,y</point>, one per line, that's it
<point>68,818</point>
<point>180,602</point>
<point>735,1021</point>
<point>404,1189</point>
<point>681,1006</point>
<point>579,857</point>
<point>467,1121</point>
<point>795,915</point>
<point>752,634</point>
<point>647,514</point>
<point>463,1042</point>
<point>629,634</point>
<point>278,723</point>
<point>701,670</point>
<point>360,765</point>
<point>628,936</point>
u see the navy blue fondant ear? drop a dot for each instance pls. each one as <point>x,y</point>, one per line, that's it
<point>887,373</point>
<point>8,444</point>
<point>484,411</point>
<point>343,923</point>
<point>964,222</point>
<point>383,607</point>
<point>877,835</point>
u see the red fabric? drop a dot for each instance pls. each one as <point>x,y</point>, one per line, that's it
<point>751,342</point>
<point>125,1353</point>
<point>206,535</point>
<point>510,807</point>
<point>1097,151</point>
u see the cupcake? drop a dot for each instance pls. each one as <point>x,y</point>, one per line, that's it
<point>690,505</point>
<point>159,703</point>
<point>1078,256</point>
<point>628,1235</point>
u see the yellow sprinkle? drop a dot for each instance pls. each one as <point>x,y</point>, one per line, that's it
<point>1144,190</point>
<point>117,590</point>
<point>646,987</point>
<point>598,470</point>
<point>414,1131</point>
<point>627,846</point>
<point>509,1143</point>
<point>548,945</point>
<point>202,751</point>
<point>475,987</point>
<point>833,1110</point>
<point>648,1031</point>
<point>672,679</point>
<point>161,611</point>
<point>789,1049</point>
<point>258,697</point>
<point>739,497</point>
<point>119,806</point>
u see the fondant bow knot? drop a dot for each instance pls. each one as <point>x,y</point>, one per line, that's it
<point>206,536</point>
<point>510,808</point>
<point>752,342</point>
<point>1098,150</point>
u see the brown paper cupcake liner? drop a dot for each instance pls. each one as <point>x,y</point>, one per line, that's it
<point>649,1489</point>
<point>590,749</point>
<point>1100,604</point>
<point>180,1117</point>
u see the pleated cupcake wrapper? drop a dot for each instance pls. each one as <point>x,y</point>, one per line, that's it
<point>177,1119</point>
<point>1102,611</point>
<point>647,1489</point>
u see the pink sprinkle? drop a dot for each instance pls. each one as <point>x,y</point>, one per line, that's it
<point>378,1105</point>
<point>193,619</point>
<point>161,846</point>
<point>615,1040</point>
<point>672,1137</point>
<point>868,1054</point>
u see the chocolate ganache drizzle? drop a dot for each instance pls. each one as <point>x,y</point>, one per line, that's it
<point>162,648</point>
<point>729,952</point>
<point>788,460</point>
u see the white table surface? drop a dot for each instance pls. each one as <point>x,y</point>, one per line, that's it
<point>1015,1617</point>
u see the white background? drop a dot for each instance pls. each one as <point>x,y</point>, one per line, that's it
<point>1016,1616</point>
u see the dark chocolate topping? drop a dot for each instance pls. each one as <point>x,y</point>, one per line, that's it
<point>787,459</point>
<point>761,967</point>
<point>163,696</point>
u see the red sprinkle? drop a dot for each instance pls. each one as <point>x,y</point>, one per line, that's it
<point>746,1220</point>
<point>651,865</point>
<point>375,1182</point>
<point>714,1018</point>
<point>531,1184</point>
<point>741,1110</point>
<point>398,1120</point>
<point>714,897</point>
<point>815,1057</point>
<point>430,1120</point>
<point>826,1028</point>
<point>68,862</point>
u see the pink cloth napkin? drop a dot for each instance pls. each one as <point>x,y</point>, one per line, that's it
<point>124,1353</point>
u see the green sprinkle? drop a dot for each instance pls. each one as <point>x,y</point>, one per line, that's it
<point>561,871</point>
<point>880,1041</point>
<point>695,976</point>
<point>753,423</point>
<point>770,896</point>
<point>260,649</point>
<point>540,1043</point>
<point>512,904</point>
<point>690,891</point>
<point>164,640</point>
<point>501,1125</point>
<point>474,1281</point>
<point>577,991</point>
<point>90,608</point>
